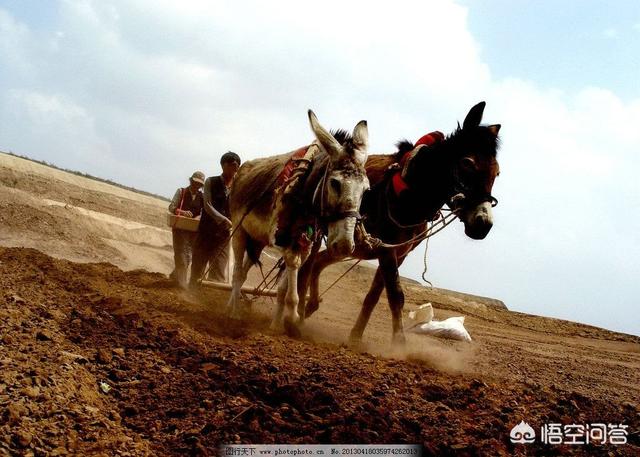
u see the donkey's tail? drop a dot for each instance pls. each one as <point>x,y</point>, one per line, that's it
<point>253,250</point>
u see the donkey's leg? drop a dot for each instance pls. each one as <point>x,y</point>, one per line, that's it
<point>286,315</point>
<point>323,260</point>
<point>291,318</point>
<point>368,305</point>
<point>277,322</point>
<point>395,295</point>
<point>304,274</point>
<point>240,269</point>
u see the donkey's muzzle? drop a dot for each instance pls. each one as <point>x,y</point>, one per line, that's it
<point>478,222</point>
<point>340,242</point>
<point>479,229</point>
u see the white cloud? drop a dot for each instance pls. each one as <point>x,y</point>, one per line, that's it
<point>56,129</point>
<point>14,53</point>
<point>207,77</point>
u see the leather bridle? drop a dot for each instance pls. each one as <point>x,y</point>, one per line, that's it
<point>325,215</point>
<point>464,194</point>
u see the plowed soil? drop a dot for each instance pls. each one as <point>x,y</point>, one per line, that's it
<point>96,360</point>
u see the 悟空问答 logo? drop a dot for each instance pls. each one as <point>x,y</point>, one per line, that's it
<point>522,433</point>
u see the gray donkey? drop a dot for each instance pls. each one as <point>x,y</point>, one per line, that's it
<point>326,199</point>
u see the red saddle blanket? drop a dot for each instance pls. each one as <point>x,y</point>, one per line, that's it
<point>398,182</point>
<point>287,171</point>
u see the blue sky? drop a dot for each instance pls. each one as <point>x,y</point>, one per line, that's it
<point>144,92</point>
<point>565,44</point>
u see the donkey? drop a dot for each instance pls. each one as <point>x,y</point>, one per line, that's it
<point>408,189</point>
<point>329,195</point>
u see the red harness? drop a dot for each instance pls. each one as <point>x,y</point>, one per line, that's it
<point>285,174</point>
<point>292,227</point>
<point>399,184</point>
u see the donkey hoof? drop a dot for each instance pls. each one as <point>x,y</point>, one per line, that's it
<point>399,340</point>
<point>275,325</point>
<point>291,329</point>
<point>355,337</point>
<point>357,345</point>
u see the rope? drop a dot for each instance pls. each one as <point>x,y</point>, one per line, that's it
<point>425,235</point>
<point>424,272</point>
<point>341,276</point>
<point>448,219</point>
<point>266,282</point>
<point>321,187</point>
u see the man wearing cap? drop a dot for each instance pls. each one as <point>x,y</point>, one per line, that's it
<point>212,242</point>
<point>186,202</point>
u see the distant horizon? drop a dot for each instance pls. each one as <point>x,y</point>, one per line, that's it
<point>86,175</point>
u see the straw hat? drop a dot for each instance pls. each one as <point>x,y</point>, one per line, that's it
<point>197,176</point>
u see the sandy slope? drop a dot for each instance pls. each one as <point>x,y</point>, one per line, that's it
<point>81,219</point>
<point>182,373</point>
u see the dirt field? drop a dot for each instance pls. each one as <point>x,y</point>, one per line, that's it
<point>183,379</point>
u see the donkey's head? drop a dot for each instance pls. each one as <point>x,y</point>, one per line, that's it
<point>344,181</point>
<point>473,172</point>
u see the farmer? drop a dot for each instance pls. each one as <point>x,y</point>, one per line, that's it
<point>212,240</point>
<point>186,202</point>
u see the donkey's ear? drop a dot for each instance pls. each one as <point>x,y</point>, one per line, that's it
<point>326,139</point>
<point>361,135</point>
<point>474,117</point>
<point>495,128</point>
<point>361,141</point>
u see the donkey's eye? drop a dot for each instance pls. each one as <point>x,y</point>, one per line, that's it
<point>468,164</point>
<point>335,185</point>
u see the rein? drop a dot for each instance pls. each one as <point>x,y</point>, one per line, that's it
<point>434,228</point>
<point>376,243</point>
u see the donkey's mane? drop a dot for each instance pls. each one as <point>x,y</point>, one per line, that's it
<point>346,140</point>
<point>403,147</point>
<point>480,138</point>
<point>342,136</point>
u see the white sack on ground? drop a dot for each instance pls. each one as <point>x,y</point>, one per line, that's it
<point>451,328</point>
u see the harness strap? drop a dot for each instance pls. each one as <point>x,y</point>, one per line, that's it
<point>179,208</point>
<point>342,215</point>
<point>182,191</point>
